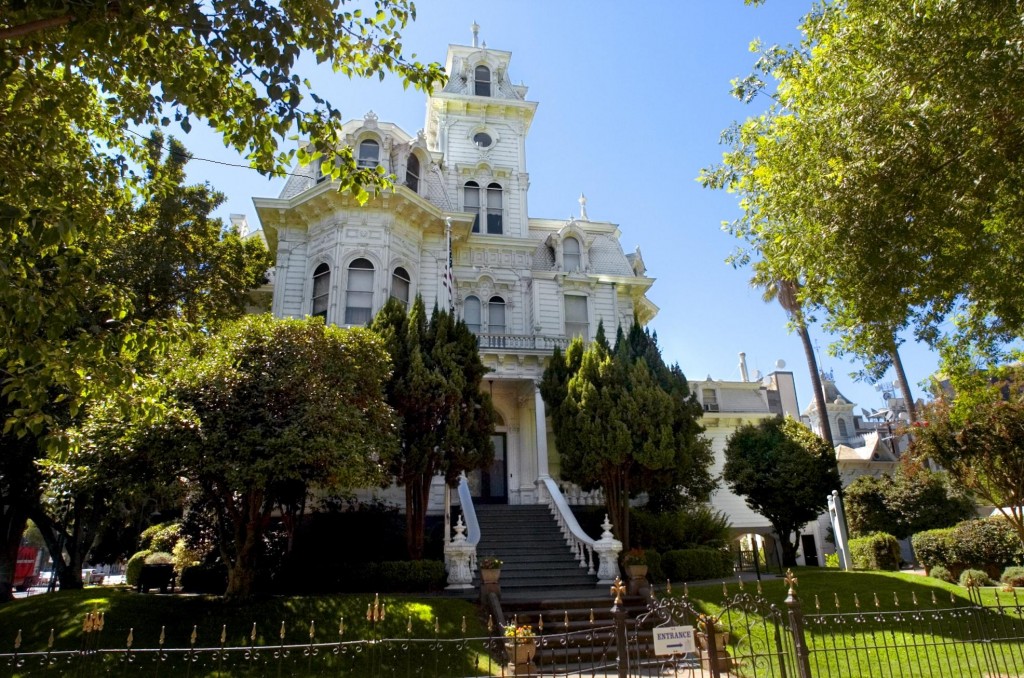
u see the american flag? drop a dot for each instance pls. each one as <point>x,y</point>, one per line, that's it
<point>449,273</point>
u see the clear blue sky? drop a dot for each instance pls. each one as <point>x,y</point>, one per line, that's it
<point>633,98</point>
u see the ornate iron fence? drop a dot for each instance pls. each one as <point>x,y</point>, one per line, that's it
<point>748,636</point>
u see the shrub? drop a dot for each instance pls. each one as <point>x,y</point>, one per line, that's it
<point>974,578</point>
<point>990,544</point>
<point>832,560</point>
<point>205,579</point>
<point>1013,576</point>
<point>933,547</point>
<point>402,576</point>
<point>942,574</point>
<point>654,569</point>
<point>696,564</point>
<point>160,537</point>
<point>159,558</point>
<point>134,567</point>
<point>694,527</point>
<point>878,551</point>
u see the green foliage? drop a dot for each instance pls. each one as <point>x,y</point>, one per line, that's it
<point>972,577</point>
<point>942,574</point>
<point>159,558</point>
<point>435,389</point>
<point>1013,576</point>
<point>933,547</point>
<point>910,500</point>
<point>626,422</point>
<point>784,472</point>
<point>655,571</point>
<point>990,544</point>
<point>266,409</point>
<point>685,565</point>
<point>691,527</point>
<point>160,537</point>
<point>978,440</point>
<point>886,175</point>
<point>134,567</point>
<point>832,560</point>
<point>386,576</point>
<point>877,551</point>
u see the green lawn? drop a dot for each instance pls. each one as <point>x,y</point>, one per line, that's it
<point>938,636</point>
<point>411,622</point>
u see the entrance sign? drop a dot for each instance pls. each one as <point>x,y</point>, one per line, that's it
<point>674,640</point>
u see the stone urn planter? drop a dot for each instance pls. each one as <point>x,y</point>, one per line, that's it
<point>635,564</point>
<point>520,655</point>
<point>490,575</point>
<point>721,659</point>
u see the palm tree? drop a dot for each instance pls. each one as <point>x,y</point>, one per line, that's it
<point>786,292</point>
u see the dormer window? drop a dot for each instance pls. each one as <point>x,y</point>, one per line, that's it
<point>369,154</point>
<point>412,173</point>
<point>571,259</point>
<point>482,81</point>
<point>471,202</point>
<point>321,290</point>
<point>842,428</point>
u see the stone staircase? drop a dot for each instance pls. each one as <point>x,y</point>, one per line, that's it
<point>536,558</point>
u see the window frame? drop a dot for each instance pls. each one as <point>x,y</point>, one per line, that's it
<point>412,184</point>
<point>466,207</point>
<point>578,254</point>
<point>397,279</point>
<point>495,213</point>
<point>364,162</point>
<point>482,87</point>
<point>495,302</point>
<point>351,311</point>
<point>472,302</point>
<point>584,303</point>
<point>321,283</point>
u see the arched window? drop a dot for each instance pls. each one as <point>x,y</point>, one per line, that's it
<point>482,81</point>
<point>571,254</point>
<point>471,314</point>
<point>842,428</point>
<point>471,202</point>
<point>412,173</point>
<point>400,282</point>
<point>321,290</point>
<point>369,154</point>
<point>494,209</point>
<point>359,296</point>
<point>496,315</point>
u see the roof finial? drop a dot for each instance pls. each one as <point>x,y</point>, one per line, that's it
<point>476,33</point>
<point>583,208</point>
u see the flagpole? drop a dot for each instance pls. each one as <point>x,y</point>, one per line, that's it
<point>449,274</point>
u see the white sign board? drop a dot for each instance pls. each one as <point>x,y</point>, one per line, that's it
<point>674,640</point>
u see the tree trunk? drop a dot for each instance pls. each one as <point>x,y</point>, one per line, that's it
<point>789,548</point>
<point>416,492</point>
<point>819,392</point>
<point>617,503</point>
<point>901,379</point>
<point>12,525</point>
<point>248,533</point>
<point>59,543</point>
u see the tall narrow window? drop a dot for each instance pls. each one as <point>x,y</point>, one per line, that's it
<point>471,202</point>
<point>412,173</point>
<point>400,283</point>
<point>321,290</point>
<point>494,209</point>
<point>496,315</point>
<point>571,254</point>
<point>842,429</point>
<point>710,397</point>
<point>576,324</point>
<point>471,314</point>
<point>323,170</point>
<point>359,296</point>
<point>482,81</point>
<point>369,154</point>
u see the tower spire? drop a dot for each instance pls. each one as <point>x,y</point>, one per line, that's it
<point>476,33</point>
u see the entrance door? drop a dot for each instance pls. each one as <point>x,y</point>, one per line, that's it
<point>490,485</point>
<point>810,550</point>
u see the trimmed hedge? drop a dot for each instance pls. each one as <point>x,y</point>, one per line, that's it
<point>942,574</point>
<point>988,544</point>
<point>877,551</point>
<point>696,564</point>
<point>134,567</point>
<point>654,570</point>
<point>933,547</point>
<point>1013,576</point>
<point>975,578</point>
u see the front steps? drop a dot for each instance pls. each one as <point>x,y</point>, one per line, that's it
<point>537,560</point>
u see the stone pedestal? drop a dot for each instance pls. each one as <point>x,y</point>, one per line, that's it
<point>458,553</point>
<point>608,549</point>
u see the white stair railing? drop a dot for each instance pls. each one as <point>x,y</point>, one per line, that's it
<point>583,546</point>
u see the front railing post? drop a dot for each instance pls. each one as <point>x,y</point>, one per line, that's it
<point>619,615</point>
<point>796,628</point>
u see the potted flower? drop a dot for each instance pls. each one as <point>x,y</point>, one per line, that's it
<point>490,569</point>
<point>709,624</point>
<point>521,645</point>
<point>635,562</point>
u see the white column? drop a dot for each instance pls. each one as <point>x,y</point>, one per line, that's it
<point>542,433</point>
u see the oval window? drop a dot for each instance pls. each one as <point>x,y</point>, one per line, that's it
<point>482,139</point>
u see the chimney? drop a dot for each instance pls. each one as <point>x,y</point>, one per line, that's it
<point>743,367</point>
